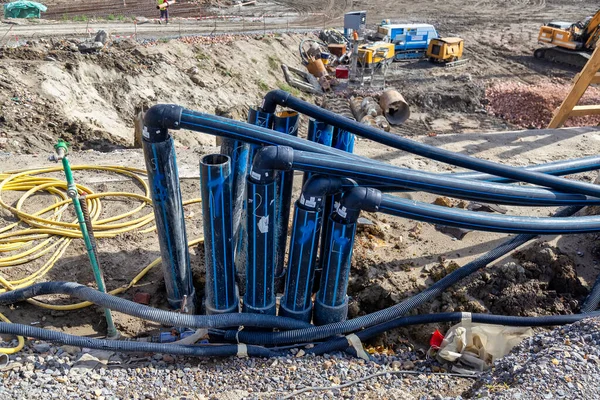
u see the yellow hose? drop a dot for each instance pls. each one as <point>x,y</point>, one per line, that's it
<point>42,233</point>
<point>20,339</point>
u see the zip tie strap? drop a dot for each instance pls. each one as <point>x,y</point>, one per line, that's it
<point>354,342</point>
<point>242,350</point>
<point>237,334</point>
<point>466,317</point>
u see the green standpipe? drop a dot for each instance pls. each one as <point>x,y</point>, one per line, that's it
<point>61,154</point>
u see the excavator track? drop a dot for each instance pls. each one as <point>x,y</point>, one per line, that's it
<point>563,56</point>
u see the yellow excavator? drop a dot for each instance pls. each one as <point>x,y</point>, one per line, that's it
<point>574,43</point>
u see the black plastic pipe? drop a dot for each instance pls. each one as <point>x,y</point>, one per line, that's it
<point>221,294</point>
<point>161,165</point>
<point>128,307</point>
<point>296,302</point>
<point>284,122</point>
<point>282,98</point>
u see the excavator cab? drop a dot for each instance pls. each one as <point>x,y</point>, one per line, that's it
<point>573,43</point>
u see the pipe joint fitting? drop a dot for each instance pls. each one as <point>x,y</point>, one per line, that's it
<point>315,190</point>
<point>72,191</point>
<point>357,199</point>
<point>272,99</point>
<point>269,159</point>
<point>159,119</point>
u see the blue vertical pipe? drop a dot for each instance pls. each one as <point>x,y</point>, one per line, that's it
<point>285,122</point>
<point>318,132</point>
<point>296,301</point>
<point>259,118</point>
<point>260,224</point>
<point>221,294</point>
<point>331,303</point>
<point>238,152</point>
<point>342,140</point>
<point>161,165</point>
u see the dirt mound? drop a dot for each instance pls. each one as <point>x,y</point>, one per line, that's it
<point>448,96</point>
<point>542,282</point>
<point>532,106</point>
<point>51,88</point>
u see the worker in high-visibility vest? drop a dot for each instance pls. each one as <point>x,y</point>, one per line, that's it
<point>164,10</point>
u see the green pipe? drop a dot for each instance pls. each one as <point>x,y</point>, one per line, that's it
<point>62,151</point>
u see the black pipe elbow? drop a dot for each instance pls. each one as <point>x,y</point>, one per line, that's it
<point>267,160</point>
<point>316,188</point>
<point>357,199</point>
<point>272,99</point>
<point>159,119</point>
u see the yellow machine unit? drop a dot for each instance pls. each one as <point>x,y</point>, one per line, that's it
<point>375,53</point>
<point>445,50</point>
<point>573,43</point>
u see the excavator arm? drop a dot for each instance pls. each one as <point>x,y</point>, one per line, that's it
<point>592,31</point>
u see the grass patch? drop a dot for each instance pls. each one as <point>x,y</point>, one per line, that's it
<point>262,85</point>
<point>287,88</point>
<point>80,18</point>
<point>274,62</point>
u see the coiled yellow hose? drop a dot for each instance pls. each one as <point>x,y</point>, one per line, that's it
<point>43,232</point>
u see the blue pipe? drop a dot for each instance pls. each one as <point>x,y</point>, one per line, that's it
<point>296,302</point>
<point>444,185</point>
<point>221,294</point>
<point>161,166</point>
<point>280,97</point>
<point>321,133</point>
<point>284,122</point>
<point>238,130</point>
<point>238,153</point>
<point>260,270</point>
<point>331,302</point>
<point>342,140</point>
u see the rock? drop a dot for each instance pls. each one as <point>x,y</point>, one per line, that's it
<point>101,36</point>
<point>72,350</point>
<point>41,348</point>
<point>141,20</point>
<point>443,201</point>
<point>197,79</point>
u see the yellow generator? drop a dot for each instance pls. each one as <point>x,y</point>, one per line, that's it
<point>375,53</point>
<point>445,50</point>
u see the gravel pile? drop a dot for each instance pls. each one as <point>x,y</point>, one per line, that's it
<point>43,371</point>
<point>532,106</point>
<point>560,364</point>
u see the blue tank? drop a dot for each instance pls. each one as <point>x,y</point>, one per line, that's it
<point>410,40</point>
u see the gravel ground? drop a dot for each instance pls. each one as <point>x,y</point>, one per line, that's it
<point>43,371</point>
<point>559,364</point>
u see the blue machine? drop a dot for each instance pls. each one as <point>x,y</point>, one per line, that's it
<point>411,40</point>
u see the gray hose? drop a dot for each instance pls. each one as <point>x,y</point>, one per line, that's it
<point>593,299</point>
<point>132,346</point>
<point>148,313</point>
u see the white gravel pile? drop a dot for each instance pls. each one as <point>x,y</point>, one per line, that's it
<point>559,364</point>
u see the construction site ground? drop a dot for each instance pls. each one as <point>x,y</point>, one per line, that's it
<point>50,91</point>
